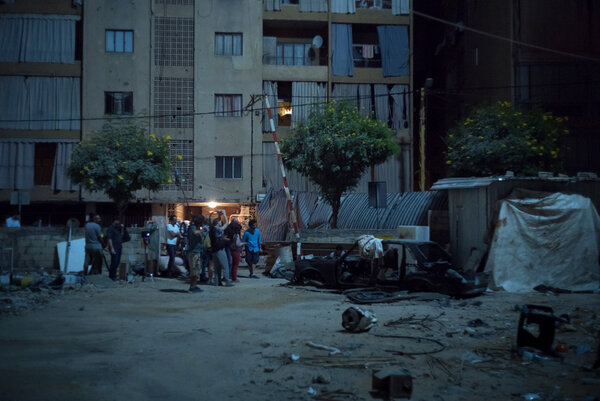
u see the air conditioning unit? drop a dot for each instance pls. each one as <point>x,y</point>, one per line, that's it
<point>260,197</point>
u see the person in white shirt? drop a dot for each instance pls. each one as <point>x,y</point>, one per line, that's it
<point>172,236</point>
<point>14,221</point>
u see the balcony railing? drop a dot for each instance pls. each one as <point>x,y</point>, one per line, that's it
<point>366,56</point>
<point>374,4</point>
<point>360,4</point>
<point>294,61</point>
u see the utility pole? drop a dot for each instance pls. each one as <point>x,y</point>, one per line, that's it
<point>422,142</point>
<point>422,127</point>
<point>253,100</point>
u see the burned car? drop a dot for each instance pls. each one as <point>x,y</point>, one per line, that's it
<point>411,265</point>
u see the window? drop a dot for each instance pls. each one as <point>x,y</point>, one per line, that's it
<point>228,105</point>
<point>119,41</point>
<point>228,44</point>
<point>118,103</point>
<point>44,163</point>
<point>174,41</point>
<point>228,167</point>
<point>294,53</point>
<point>182,157</point>
<point>173,102</point>
<point>176,2</point>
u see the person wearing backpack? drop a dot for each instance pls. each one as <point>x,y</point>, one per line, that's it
<point>196,247</point>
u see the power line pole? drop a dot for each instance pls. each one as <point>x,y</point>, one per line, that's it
<point>253,100</point>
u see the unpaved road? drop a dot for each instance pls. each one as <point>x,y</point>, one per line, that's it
<point>136,342</point>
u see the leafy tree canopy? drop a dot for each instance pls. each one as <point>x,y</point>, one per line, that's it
<point>334,147</point>
<point>120,159</point>
<point>497,138</point>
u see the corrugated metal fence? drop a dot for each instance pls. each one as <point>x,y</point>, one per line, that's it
<point>407,208</point>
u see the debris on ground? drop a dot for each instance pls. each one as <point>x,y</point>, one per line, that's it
<point>357,320</point>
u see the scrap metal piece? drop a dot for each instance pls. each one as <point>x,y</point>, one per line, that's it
<point>357,320</point>
<point>541,317</point>
<point>392,382</point>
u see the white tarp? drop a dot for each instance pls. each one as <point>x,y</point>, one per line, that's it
<point>551,240</point>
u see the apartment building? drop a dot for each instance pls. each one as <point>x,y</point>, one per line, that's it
<point>538,54</point>
<point>195,70</point>
<point>359,51</point>
<point>40,105</point>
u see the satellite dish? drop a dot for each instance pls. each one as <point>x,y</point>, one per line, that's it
<point>317,41</point>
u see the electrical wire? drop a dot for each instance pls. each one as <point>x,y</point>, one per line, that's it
<point>159,116</point>
<point>504,38</point>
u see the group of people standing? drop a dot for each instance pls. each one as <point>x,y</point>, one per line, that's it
<point>96,241</point>
<point>215,249</point>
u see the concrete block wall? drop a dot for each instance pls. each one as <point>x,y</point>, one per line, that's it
<point>35,247</point>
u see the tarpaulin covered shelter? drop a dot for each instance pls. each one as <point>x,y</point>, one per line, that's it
<point>550,239</point>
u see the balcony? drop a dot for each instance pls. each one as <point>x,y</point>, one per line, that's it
<point>366,56</point>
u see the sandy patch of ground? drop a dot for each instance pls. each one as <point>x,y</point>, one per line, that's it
<point>139,342</point>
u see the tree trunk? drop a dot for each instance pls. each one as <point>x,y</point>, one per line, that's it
<point>335,208</point>
<point>122,207</point>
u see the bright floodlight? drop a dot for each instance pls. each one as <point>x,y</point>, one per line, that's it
<point>212,205</point>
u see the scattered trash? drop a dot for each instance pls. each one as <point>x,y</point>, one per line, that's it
<point>470,357</point>
<point>413,321</point>
<point>332,350</point>
<point>543,319</point>
<point>531,396</point>
<point>562,348</point>
<point>470,331</point>
<point>392,382</point>
<point>356,320</point>
<point>531,356</point>
<point>295,357</point>
<point>312,391</point>
<point>567,327</point>
<point>477,323</point>
<point>372,296</point>
<point>320,380</point>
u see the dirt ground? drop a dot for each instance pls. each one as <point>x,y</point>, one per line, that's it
<point>152,341</point>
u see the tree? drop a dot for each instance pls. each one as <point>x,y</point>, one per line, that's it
<point>120,159</point>
<point>334,147</point>
<point>497,138</point>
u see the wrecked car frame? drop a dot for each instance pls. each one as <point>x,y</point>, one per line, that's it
<point>416,266</point>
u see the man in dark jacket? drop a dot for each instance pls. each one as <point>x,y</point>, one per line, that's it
<point>116,235</point>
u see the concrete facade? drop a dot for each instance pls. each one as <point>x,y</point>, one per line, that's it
<point>41,193</point>
<point>532,53</point>
<point>174,74</point>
